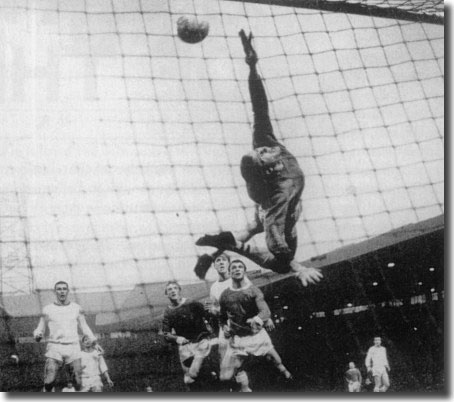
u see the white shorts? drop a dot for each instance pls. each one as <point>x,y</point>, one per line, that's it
<point>194,349</point>
<point>379,371</point>
<point>354,386</point>
<point>91,384</point>
<point>63,353</point>
<point>258,344</point>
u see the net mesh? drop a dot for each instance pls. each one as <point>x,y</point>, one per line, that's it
<point>121,143</point>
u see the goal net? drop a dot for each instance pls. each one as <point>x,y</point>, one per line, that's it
<point>121,144</point>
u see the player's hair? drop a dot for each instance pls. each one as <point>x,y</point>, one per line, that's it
<point>240,261</point>
<point>219,253</point>
<point>87,337</point>
<point>170,283</point>
<point>61,283</point>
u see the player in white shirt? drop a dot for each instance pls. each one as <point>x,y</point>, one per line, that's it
<point>377,364</point>
<point>62,319</point>
<point>221,265</point>
<point>94,367</point>
<point>69,388</point>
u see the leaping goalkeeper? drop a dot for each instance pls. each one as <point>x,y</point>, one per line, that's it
<point>275,182</point>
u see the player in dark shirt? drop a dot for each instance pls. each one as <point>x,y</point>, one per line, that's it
<point>243,312</point>
<point>185,324</point>
<point>275,182</point>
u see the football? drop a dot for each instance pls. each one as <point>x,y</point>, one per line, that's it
<point>191,30</point>
<point>14,359</point>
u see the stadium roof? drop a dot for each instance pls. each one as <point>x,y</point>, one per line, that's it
<point>139,308</point>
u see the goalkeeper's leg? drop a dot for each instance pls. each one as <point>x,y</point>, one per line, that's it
<point>252,228</point>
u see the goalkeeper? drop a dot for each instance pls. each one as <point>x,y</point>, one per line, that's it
<point>243,312</point>
<point>275,182</point>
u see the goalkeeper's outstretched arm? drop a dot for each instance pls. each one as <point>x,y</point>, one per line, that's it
<point>263,135</point>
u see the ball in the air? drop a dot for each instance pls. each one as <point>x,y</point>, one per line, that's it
<point>191,30</point>
<point>14,359</point>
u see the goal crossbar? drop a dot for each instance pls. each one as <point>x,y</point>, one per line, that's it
<point>427,12</point>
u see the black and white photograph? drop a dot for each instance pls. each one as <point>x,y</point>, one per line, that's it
<point>222,196</point>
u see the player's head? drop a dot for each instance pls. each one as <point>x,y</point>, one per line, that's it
<point>255,163</point>
<point>69,385</point>
<point>268,156</point>
<point>251,168</point>
<point>351,365</point>
<point>61,289</point>
<point>172,290</point>
<point>237,269</point>
<point>87,342</point>
<point>221,263</point>
<point>377,341</point>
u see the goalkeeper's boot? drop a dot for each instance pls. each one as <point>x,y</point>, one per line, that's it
<point>223,240</point>
<point>203,265</point>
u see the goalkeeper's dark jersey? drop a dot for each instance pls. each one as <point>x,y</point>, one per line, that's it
<point>239,305</point>
<point>265,188</point>
<point>186,320</point>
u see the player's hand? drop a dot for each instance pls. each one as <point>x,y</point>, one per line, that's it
<point>99,348</point>
<point>269,325</point>
<point>251,55</point>
<point>211,307</point>
<point>387,368</point>
<point>110,383</point>
<point>255,323</point>
<point>38,336</point>
<point>227,333</point>
<point>181,340</point>
<point>307,275</point>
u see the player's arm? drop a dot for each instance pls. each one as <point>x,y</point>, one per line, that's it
<point>360,377</point>
<point>263,131</point>
<point>105,371</point>
<point>223,317</point>
<point>200,310</point>
<point>166,329</point>
<point>386,361</point>
<point>84,326</point>
<point>263,310</point>
<point>168,332</point>
<point>38,333</point>
<point>212,305</point>
<point>262,306</point>
<point>214,308</point>
<point>368,361</point>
